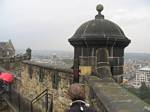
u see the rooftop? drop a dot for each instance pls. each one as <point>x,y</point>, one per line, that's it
<point>146,68</point>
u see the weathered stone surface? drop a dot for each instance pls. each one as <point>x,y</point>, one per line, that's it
<point>100,35</point>
<point>103,68</point>
<point>4,107</point>
<point>104,94</point>
<point>31,87</point>
<point>108,96</point>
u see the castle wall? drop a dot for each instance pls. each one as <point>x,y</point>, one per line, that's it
<point>36,78</point>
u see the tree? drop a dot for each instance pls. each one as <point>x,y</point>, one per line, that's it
<point>144,91</point>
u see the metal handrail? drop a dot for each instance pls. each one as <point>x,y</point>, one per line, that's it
<point>44,93</point>
<point>51,105</point>
<point>40,95</point>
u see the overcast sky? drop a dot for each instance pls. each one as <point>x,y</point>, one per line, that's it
<point>47,24</point>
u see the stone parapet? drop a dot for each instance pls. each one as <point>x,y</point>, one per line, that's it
<point>103,94</point>
<point>16,58</point>
<point>108,96</point>
<point>37,77</point>
<point>48,67</point>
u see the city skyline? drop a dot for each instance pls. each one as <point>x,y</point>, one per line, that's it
<point>47,25</point>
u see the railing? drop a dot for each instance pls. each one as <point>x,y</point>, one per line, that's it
<point>16,102</point>
<point>48,108</point>
<point>105,95</point>
<point>19,103</point>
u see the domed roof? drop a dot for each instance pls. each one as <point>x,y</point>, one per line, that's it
<point>99,28</point>
<point>99,32</point>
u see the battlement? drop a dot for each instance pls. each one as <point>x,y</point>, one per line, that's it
<point>105,95</point>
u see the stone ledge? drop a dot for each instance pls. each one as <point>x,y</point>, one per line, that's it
<point>114,98</point>
<point>13,59</point>
<point>45,66</point>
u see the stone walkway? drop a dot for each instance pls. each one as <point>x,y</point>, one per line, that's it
<point>17,102</point>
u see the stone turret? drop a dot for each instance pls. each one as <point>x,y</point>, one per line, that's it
<point>99,44</point>
<point>28,52</point>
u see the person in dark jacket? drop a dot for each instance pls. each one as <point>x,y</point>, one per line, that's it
<point>1,86</point>
<point>76,93</point>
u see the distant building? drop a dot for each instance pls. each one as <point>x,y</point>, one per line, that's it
<point>142,75</point>
<point>54,56</point>
<point>7,49</point>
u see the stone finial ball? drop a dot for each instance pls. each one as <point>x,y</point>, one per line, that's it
<point>99,7</point>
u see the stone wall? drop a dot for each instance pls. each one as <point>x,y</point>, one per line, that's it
<point>35,78</point>
<point>103,94</point>
<point>108,96</point>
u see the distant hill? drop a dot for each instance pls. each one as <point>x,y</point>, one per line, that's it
<point>48,53</point>
<point>59,53</point>
<point>141,56</point>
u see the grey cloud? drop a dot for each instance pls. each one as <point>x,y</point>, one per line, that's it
<point>53,22</point>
